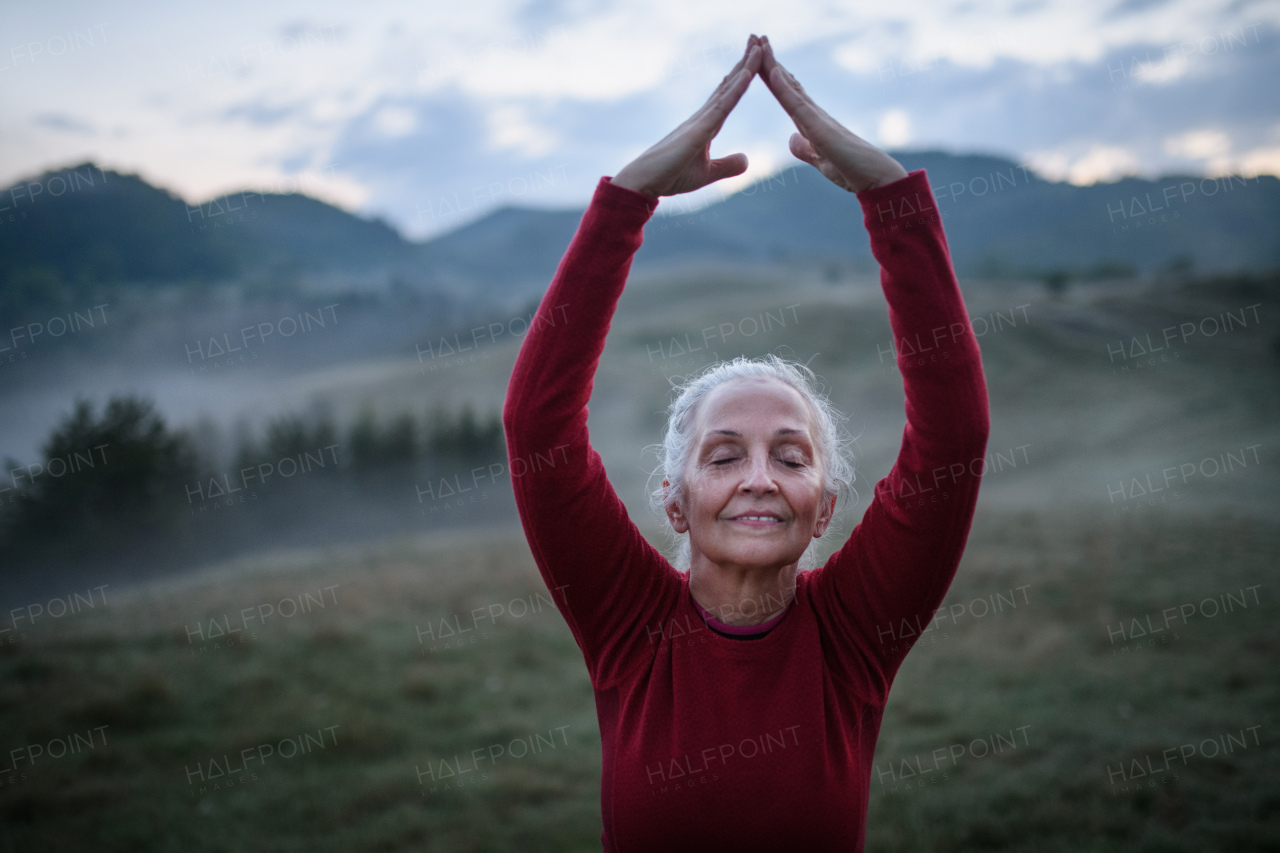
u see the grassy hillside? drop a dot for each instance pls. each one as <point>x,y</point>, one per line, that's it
<point>1064,696</point>
<point>1045,675</point>
<point>1065,380</point>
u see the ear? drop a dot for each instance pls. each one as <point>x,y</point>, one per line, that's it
<point>678,522</point>
<point>825,515</point>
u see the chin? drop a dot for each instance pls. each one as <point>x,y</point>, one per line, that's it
<point>753,557</point>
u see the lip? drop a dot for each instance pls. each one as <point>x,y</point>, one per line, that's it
<point>756,522</point>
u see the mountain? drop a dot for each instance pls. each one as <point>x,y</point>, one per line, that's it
<point>1001,219</point>
<point>85,223</point>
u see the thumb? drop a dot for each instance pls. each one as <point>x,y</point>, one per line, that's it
<point>727,167</point>
<point>803,150</point>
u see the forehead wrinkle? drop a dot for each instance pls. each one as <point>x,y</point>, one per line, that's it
<point>698,415</point>
<point>782,431</point>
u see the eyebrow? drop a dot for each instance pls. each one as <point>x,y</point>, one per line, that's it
<point>736,434</point>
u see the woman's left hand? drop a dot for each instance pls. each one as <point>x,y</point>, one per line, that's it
<point>681,162</point>
<point>846,159</point>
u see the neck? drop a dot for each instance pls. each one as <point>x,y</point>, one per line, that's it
<point>742,597</point>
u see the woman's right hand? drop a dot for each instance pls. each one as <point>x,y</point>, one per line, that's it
<point>849,161</point>
<point>681,162</point>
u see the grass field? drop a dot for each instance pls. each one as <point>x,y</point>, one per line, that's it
<point>315,700</point>
<point>1061,698</point>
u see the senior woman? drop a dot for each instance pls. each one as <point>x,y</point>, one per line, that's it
<point>739,702</point>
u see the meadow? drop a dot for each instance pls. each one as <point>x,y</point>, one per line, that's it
<point>354,708</point>
<point>318,698</point>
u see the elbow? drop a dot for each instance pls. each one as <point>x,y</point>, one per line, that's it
<point>525,424</point>
<point>515,412</point>
<point>977,424</point>
<point>972,430</point>
<point>515,421</point>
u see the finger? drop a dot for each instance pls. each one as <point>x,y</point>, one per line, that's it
<point>786,89</point>
<point>739,76</point>
<point>742,60</point>
<point>768,61</point>
<point>789,93</point>
<point>754,46</point>
<point>727,167</point>
<point>737,66</point>
<point>712,116</point>
<point>803,150</point>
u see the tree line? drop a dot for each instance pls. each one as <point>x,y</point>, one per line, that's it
<point>110,478</point>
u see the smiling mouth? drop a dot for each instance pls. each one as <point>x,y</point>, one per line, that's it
<point>758,519</point>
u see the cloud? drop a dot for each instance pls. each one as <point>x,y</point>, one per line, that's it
<point>404,107</point>
<point>262,114</point>
<point>895,128</point>
<point>1199,144</point>
<point>64,124</point>
<point>394,121</point>
<point>1215,153</point>
<point>510,127</point>
<point>1264,160</point>
<point>1133,7</point>
<point>1100,163</point>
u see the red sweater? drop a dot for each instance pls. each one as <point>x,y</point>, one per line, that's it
<point>712,742</point>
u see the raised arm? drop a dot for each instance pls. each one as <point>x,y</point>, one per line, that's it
<point>613,588</point>
<point>607,581</point>
<point>878,592</point>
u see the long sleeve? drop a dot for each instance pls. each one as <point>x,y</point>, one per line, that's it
<point>611,585</point>
<point>878,592</point>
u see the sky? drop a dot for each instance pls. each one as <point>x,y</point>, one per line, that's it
<point>431,114</point>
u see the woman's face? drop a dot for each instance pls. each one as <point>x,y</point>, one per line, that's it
<point>753,481</point>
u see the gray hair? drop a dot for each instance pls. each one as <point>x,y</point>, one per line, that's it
<point>832,448</point>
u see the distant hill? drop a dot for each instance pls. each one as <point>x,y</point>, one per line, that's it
<point>83,224</point>
<point>1001,219</point>
<point>87,224</point>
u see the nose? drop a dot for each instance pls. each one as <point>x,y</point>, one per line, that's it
<point>757,477</point>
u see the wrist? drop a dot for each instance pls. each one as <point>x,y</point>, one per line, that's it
<point>886,177</point>
<point>629,181</point>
